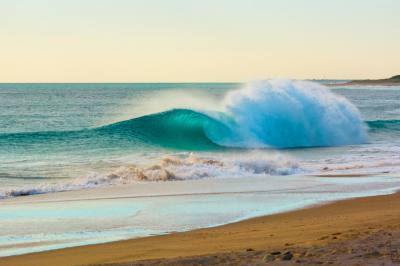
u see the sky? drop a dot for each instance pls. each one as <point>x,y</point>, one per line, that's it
<point>197,40</point>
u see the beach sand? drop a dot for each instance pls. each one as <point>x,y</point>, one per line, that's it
<point>362,231</point>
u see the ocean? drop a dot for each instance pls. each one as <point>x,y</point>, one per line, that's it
<point>287,144</point>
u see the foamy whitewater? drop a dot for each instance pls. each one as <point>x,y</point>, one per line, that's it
<point>213,153</point>
<point>288,114</point>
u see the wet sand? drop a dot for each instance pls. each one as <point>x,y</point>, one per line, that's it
<point>363,231</point>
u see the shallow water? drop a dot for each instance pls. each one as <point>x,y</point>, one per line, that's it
<point>108,214</point>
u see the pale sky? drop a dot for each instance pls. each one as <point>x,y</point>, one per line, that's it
<point>197,40</point>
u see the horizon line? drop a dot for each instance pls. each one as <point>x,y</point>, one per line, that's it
<point>155,82</point>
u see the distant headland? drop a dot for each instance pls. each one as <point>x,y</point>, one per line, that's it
<point>393,81</point>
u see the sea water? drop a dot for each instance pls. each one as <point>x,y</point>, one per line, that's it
<point>210,152</point>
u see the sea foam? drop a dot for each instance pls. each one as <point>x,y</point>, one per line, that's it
<point>173,168</point>
<point>286,114</point>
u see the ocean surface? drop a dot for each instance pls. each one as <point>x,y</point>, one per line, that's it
<point>71,136</point>
<point>184,150</point>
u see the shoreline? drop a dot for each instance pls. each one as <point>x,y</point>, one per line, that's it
<point>392,81</point>
<point>367,83</point>
<point>319,225</point>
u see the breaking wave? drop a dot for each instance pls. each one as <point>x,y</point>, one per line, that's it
<point>266,114</point>
<point>279,114</point>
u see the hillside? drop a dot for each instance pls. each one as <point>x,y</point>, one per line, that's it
<point>393,81</point>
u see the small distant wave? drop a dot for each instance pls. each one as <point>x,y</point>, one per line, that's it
<point>384,125</point>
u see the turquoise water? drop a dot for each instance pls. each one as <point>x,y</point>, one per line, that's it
<point>224,151</point>
<point>52,132</point>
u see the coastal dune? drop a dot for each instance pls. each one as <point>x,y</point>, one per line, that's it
<point>342,233</point>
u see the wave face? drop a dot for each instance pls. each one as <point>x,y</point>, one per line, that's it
<point>177,128</point>
<point>274,113</point>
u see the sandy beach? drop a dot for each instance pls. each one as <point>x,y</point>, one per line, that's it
<point>363,230</point>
